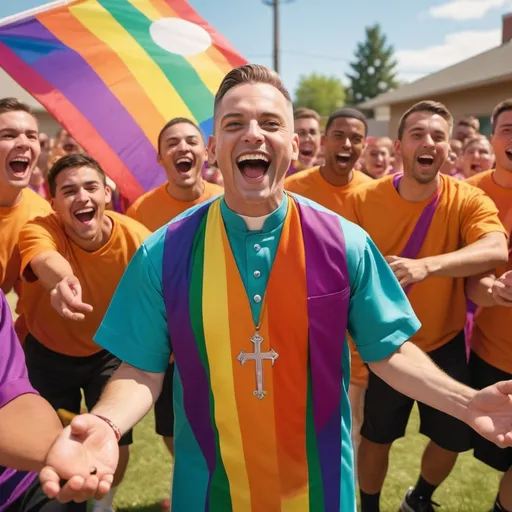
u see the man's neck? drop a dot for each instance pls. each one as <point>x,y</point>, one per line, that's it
<point>502,177</point>
<point>247,209</point>
<point>186,195</point>
<point>101,238</point>
<point>414,192</point>
<point>334,179</point>
<point>10,196</point>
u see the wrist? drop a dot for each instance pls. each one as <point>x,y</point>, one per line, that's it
<point>432,266</point>
<point>115,429</point>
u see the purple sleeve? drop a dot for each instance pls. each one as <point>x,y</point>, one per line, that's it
<point>13,372</point>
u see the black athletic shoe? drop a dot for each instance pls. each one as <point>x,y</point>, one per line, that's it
<point>411,504</point>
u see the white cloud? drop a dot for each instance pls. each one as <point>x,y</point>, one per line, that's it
<point>461,10</point>
<point>456,47</point>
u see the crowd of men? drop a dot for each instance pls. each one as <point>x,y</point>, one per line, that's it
<point>436,204</point>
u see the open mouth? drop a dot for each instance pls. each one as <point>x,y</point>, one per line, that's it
<point>253,166</point>
<point>476,168</point>
<point>343,158</point>
<point>85,215</point>
<point>508,152</point>
<point>306,152</point>
<point>19,165</point>
<point>426,160</point>
<point>183,165</point>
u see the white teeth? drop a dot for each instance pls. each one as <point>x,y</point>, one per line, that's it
<point>253,156</point>
<point>344,155</point>
<point>21,159</point>
<point>85,210</point>
<point>183,160</point>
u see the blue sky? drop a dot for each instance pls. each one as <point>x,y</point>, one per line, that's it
<point>321,35</point>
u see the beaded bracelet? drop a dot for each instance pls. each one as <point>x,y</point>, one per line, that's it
<point>114,427</point>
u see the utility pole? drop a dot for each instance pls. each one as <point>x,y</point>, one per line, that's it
<point>275,6</point>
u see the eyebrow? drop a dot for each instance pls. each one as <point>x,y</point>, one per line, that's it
<point>8,129</point>
<point>505,125</point>
<point>73,185</point>
<point>173,137</point>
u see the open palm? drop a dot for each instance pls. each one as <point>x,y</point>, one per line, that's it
<point>490,413</point>
<point>85,456</point>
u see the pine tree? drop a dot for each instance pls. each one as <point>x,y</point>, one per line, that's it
<point>374,69</point>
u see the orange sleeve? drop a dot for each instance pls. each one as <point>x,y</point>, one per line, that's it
<point>132,211</point>
<point>479,216</point>
<point>35,238</point>
<point>350,207</point>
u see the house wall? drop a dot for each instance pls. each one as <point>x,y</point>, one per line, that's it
<point>479,102</point>
<point>47,123</point>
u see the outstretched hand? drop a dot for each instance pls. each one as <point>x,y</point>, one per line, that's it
<point>81,462</point>
<point>490,413</point>
<point>407,270</point>
<point>66,299</point>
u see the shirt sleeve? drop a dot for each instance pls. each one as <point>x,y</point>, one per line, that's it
<point>479,217</point>
<point>380,317</point>
<point>135,326</point>
<point>13,371</point>
<point>35,238</point>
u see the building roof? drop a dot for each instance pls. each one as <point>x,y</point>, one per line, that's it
<point>11,89</point>
<point>486,68</point>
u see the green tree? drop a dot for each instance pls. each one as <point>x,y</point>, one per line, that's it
<point>321,93</point>
<point>374,69</point>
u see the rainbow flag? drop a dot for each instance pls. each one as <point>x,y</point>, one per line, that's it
<point>113,72</point>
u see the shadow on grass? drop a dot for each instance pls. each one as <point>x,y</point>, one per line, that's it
<point>155,507</point>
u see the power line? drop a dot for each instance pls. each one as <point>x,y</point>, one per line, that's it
<point>300,54</point>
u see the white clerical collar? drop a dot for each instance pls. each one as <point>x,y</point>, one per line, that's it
<point>255,223</point>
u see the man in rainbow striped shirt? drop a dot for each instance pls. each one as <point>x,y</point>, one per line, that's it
<point>253,293</point>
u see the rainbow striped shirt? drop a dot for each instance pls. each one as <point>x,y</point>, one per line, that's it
<point>274,436</point>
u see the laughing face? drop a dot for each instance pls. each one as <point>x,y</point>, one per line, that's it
<point>308,131</point>
<point>19,148</point>
<point>182,154</point>
<point>80,200</point>
<point>253,144</point>
<point>424,146</point>
<point>343,145</point>
<point>377,159</point>
<point>478,157</point>
<point>502,141</point>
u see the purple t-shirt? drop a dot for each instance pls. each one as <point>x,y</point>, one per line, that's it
<point>13,383</point>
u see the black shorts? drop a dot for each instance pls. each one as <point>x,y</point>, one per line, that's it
<point>35,500</point>
<point>387,411</point>
<point>60,378</point>
<point>164,406</point>
<point>482,375</point>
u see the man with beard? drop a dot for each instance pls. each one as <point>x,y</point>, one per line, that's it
<point>491,341</point>
<point>330,185</point>
<point>433,231</point>
<point>72,261</point>
<point>253,293</point>
<point>182,153</point>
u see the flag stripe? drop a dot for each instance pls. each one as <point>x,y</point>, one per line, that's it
<point>178,71</point>
<point>67,115</point>
<point>217,340</point>
<point>67,72</point>
<point>213,52</point>
<point>207,69</point>
<point>110,68</point>
<point>151,78</point>
<point>184,10</point>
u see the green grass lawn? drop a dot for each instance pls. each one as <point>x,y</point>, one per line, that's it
<point>470,488</point>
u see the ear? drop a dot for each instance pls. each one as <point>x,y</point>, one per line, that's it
<point>159,159</point>
<point>108,194</point>
<point>211,150</point>
<point>323,139</point>
<point>397,146</point>
<point>52,203</point>
<point>295,147</point>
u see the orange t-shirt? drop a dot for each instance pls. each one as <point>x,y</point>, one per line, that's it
<point>12,219</point>
<point>99,273</point>
<point>492,334</point>
<point>463,215</point>
<point>156,208</point>
<point>312,185</point>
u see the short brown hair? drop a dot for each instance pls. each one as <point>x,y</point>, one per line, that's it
<point>250,74</point>
<point>470,121</point>
<point>14,105</point>
<point>500,108</point>
<point>73,161</point>
<point>306,113</point>
<point>433,107</point>
<point>179,120</point>
<point>471,140</point>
